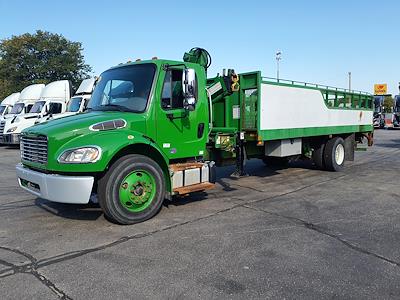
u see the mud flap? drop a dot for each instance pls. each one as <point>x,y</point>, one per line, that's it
<point>349,146</point>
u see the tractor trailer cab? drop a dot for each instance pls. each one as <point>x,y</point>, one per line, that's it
<point>396,111</point>
<point>26,100</point>
<point>52,101</point>
<point>77,104</point>
<point>159,128</point>
<point>379,116</point>
<point>7,104</point>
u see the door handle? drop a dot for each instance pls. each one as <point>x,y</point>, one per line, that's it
<point>171,116</point>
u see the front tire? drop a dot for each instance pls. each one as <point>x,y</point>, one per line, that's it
<point>334,154</point>
<point>132,190</point>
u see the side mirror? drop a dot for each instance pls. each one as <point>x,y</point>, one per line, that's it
<point>189,89</point>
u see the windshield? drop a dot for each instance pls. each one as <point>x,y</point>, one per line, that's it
<point>17,108</point>
<point>2,108</point>
<point>125,88</point>
<point>37,107</point>
<point>74,104</point>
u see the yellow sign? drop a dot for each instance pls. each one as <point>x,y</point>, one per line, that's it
<point>380,89</point>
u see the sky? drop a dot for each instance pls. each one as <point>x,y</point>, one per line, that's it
<point>321,41</point>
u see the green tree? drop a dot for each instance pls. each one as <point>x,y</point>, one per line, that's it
<point>388,104</point>
<point>41,57</point>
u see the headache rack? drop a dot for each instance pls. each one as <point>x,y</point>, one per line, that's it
<point>34,148</point>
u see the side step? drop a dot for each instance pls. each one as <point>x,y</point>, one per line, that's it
<point>185,166</point>
<point>192,177</point>
<point>193,188</point>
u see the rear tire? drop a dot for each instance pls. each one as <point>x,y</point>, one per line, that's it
<point>132,190</point>
<point>334,154</point>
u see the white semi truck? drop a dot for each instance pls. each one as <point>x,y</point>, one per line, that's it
<point>26,100</point>
<point>76,104</point>
<point>7,104</point>
<point>53,100</point>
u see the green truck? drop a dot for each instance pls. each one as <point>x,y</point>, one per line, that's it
<point>159,128</point>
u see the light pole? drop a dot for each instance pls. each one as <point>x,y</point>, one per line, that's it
<point>278,57</point>
<point>349,81</point>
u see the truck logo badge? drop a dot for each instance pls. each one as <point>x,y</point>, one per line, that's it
<point>172,151</point>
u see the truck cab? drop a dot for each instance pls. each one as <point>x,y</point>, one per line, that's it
<point>396,111</point>
<point>26,100</point>
<point>77,104</point>
<point>153,114</point>
<point>52,101</point>
<point>379,115</point>
<point>7,104</point>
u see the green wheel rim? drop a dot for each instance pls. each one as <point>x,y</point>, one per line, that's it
<point>137,190</point>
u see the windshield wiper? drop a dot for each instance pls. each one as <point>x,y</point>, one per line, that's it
<point>110,106</point>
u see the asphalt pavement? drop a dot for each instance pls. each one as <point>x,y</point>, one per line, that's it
<point>294,233</point>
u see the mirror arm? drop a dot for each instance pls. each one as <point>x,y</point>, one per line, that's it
<point>171,116</point>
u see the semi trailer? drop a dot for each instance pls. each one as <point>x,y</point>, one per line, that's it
<point>7,104</point>
<point>26,100</point>
<point>158,128</point>
<point>52,101</point>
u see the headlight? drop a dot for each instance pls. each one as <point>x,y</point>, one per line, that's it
<point>12,129</point>
<point>82,155</point>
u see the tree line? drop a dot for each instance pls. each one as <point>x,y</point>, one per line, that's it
<point>41,57</point>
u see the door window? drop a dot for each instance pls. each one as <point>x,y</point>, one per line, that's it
<point>55,108</point>
<point>172,93</point>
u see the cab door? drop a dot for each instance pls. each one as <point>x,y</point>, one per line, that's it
<point>180,133</point>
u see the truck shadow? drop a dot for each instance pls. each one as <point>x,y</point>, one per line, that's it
<point>86,212</point>
<point>394,144</point>
<point>254,168</point>
<point>92,212</point>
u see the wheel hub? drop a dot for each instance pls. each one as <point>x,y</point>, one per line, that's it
<point>140,192</point>
<point>339,154</point>
<point>137,190</point>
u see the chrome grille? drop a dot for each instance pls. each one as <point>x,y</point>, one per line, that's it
<point>34,148</point>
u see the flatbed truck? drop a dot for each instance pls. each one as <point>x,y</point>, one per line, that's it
<point>159,128</point>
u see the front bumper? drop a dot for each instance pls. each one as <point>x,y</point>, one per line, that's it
<point>11,138</point>
<point>56,188</point>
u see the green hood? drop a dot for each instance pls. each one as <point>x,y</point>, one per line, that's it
<point>70,132</point>
<point>70,124</point>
